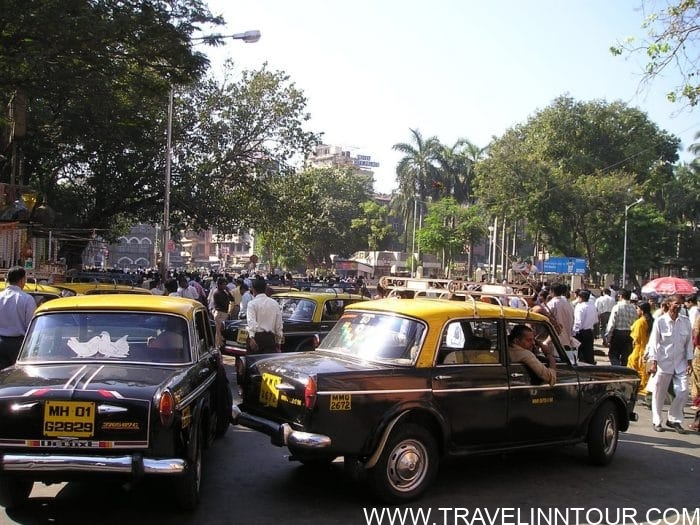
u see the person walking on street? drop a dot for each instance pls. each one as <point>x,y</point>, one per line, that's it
<point>561,308</point>
<point>671,356</point>
<point>585,318</point>
<point>264,318</point>
<point>604,305</point>
<point>617,332</point>
<point>222,301</point>
<point>639,332</point>
<point>16,311</point>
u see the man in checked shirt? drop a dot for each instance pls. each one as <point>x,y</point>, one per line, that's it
<point>618,330</point>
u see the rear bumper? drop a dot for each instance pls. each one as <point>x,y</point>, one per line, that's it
<point>282,434</point>
<point>134,465</point>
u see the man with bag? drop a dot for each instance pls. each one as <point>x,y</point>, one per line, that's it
<point>671,355</point>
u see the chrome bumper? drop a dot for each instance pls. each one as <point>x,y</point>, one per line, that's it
<point>282,434</point>
<point>134,465</point>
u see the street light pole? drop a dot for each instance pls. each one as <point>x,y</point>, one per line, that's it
<point>249,37</point>
<point>624,249</point>
<point>413,243</point>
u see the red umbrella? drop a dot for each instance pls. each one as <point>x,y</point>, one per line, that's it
<point>669,286</point>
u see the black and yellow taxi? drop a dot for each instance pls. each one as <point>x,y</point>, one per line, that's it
<point>40,292</point>
<point>399,384</point>
<point>121,387</point>
<point>101,288</point>
<point>306,318</point>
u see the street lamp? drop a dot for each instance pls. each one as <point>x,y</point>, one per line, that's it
<point>249,37</point>
<point>624,249</point>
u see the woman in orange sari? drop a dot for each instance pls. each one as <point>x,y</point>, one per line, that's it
<point>639,332</point>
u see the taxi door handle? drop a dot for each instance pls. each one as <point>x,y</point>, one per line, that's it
<point>515,375</point>
<point>441,377</point>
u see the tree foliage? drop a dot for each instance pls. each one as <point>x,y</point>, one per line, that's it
<point>233,138</point>
<point>316,208</point>
<point>95,76</point>
<point>571,169</point>
<point>449,228</point>
<point>373,226</point>
<point>672,41</point>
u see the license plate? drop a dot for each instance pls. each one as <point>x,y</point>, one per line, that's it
<point>69,418</point>
<point>242,336</point>
<point>269,395</point>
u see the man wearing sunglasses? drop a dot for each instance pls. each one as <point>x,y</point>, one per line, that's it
<point>671,354</point>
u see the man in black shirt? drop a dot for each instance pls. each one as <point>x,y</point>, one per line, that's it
<point>222,300</point>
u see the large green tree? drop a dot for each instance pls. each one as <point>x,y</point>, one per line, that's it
<point>571,169</point>
<point>233,138</point>
<point>95,77</point>
<point>315,210</point>
<point>450,228</point>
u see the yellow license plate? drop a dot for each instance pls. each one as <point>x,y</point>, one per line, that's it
<point>242,336</point>
<point>269,395</point>
<point>69,418</point>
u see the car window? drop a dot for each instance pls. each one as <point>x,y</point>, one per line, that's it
<point>142,337</point>
<point>376,337</point>
<point>203,329</point>
<point>543,335</point>
<point>469,341</point>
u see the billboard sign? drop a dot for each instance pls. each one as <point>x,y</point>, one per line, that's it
<point>563,265</point>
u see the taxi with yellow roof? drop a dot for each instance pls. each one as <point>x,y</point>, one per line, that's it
<point>122,387</point>
<point>95,288</point>
<point>399,384</point>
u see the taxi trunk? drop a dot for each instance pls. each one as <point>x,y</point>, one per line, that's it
<point>283,387</point>
<point>76,406</point>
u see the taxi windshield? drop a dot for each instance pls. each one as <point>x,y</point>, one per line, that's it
<point>152,338</point>
<point>376,337</point>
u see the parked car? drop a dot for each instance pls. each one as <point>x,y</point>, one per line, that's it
<point>126,387</point>
<point>306,317</point>
<point>398,384</point>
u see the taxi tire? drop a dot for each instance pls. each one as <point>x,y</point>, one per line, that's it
<point>14,491</point>
<point>188,485</point>
<point>603,434</point>
<point>407,465</point>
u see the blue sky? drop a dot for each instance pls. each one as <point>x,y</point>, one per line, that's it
<point>371,70</point>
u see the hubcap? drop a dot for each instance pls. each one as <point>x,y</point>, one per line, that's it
<point>407,465</point>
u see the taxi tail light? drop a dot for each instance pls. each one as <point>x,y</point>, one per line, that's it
<point>310,393</point>
<point>166,408</point>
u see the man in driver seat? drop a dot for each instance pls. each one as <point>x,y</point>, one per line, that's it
<point>521,344</point>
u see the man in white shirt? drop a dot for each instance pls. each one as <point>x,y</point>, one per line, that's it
<point>585,318</point>
<point>264,321</point>
<point>560,307</point>
<point>671,355</point>
<point>604,305</point>
<point>691,305</point>
<point>185,289</point>
<point>16,311</point>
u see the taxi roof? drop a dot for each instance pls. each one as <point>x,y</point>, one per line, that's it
<point>35,287</point>
<point>124,302</point>
<point>320,295</point>
<point>82,288</point>
<point>441,309</point>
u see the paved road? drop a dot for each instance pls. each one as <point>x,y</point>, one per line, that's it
<point>248,481</point>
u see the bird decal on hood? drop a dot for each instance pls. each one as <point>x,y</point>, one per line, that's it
<point>100,344</point>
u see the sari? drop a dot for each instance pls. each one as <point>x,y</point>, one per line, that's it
<point>639,332</point>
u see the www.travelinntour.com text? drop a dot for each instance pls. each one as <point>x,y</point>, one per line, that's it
<point>534,516</point>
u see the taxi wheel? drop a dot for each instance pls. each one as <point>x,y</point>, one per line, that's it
<point>188,484</point>
<point>603,434</point>
<point>407,466</point>
<point>14,492</point>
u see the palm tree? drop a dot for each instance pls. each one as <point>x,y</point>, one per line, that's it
<point>415,173</point>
